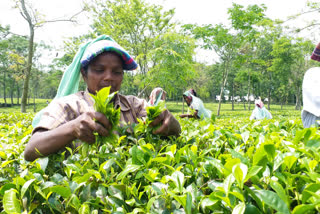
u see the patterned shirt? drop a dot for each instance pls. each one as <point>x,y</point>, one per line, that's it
<point>309,119</point>
<point>316,53</point>
<point>70,107</point>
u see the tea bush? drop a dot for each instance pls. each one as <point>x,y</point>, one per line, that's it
<point>221,165</point>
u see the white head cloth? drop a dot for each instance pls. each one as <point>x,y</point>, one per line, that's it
<point>311,91</point>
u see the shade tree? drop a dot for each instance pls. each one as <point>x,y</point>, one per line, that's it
<point>174,66</point>
<point>134,24</point>
<point>34,20</point>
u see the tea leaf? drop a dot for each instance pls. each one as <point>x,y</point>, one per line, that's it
<point>11,203</point>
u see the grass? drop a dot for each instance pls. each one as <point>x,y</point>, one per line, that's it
<point>226,111</point>
<point>40,104</point>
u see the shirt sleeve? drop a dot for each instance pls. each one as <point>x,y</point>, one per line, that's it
<point>195,104</point>
<point>54,116</point>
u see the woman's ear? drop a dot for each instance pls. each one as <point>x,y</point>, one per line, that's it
<point>84,74</point>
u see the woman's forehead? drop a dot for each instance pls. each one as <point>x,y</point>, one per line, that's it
<point>107,57</point>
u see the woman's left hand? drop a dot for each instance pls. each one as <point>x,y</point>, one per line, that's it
<point>169,124</point>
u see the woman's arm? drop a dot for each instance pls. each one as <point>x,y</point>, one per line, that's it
<point>169,124</point>
<point>194,115</point>
<point>185,115</point>
<point>45,142</point>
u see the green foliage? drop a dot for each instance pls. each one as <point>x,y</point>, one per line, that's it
<point>233,165</point>
<point>134,24</point>
<point>226,164</point>
<point>155,111</point>
<point>103,104</point>
<point>173,62</point>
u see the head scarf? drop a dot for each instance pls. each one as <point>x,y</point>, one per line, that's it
<point>260,112</point>
<point>316,53</point>
<point>311,91</point>
<point>101,46</point>
<point>259,103</point>
<point>193,92</point>
<point>198,105</point>
<point>189,93</point>
<point>69,83</point>
<point>156,95</point>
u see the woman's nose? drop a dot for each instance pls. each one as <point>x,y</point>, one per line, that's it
<point>107,75</point>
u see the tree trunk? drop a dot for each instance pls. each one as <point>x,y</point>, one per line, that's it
<point>177,99</point>
<point>298,104</point>
<point>182,105</point>
<point>244,105</point>
<point>232,95</point>
<point>29,98</point>
<point>269,97</point>
<point>29,62</point>
<point>269,90</point>
<point>4,89</point>
<point>34,102</point>
<point>18,93</point>
<point>243,100</point>
<point>225,75</point>
<point>11,92</point>
<point>249,93</point>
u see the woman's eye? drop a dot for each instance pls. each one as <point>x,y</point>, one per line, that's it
<point>99,70</point>
<point>117,72</point>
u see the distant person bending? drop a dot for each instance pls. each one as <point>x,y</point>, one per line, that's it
<point>260,112</point>
<point>311,93</point>
<point>196,104</point>
<point>156,95</point>
<point>71,115</point>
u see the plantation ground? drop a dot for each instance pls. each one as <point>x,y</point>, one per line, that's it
<point>230,165</point>
<point>176,107</point>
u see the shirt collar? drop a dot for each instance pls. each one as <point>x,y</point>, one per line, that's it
<point>87,97</point>
<point>122,102</point>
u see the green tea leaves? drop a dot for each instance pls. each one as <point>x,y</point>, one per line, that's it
<point>11,204</point>
<point>155,111</point>
<point>231,166</point>
<point>103,104</point>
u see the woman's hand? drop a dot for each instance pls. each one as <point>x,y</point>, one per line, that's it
<point>184,115</point>
<point>88,123</point>
<point>169,124</point>
<point>44,142</point>
<point>194,115</point>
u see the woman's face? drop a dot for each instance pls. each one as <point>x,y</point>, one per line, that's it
<point>187,99</point>
<point>103,71</point>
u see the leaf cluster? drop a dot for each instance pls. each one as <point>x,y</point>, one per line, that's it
<point>103,104</point>
<point>155,111</point>
<point>232,166</point>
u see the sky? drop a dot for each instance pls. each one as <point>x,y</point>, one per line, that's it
<point>186,11</point>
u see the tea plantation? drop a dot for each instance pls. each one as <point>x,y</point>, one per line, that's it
<point>223,165</point>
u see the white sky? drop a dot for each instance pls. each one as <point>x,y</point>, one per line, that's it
<point>187,11</point>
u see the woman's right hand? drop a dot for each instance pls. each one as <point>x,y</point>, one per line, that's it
<point>183,115</point>
<point>88,123</point>
<point>44,142</point>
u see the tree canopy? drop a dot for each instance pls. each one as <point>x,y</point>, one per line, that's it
<point>254,55</point>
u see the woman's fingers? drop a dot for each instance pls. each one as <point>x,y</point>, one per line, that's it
<point>164,120</point>
<point>158,119</point>
<point>169,124</point>
<point>101,130</point>
<point>163,130</point>
<point>91,122</point>
<point>102,119</point>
